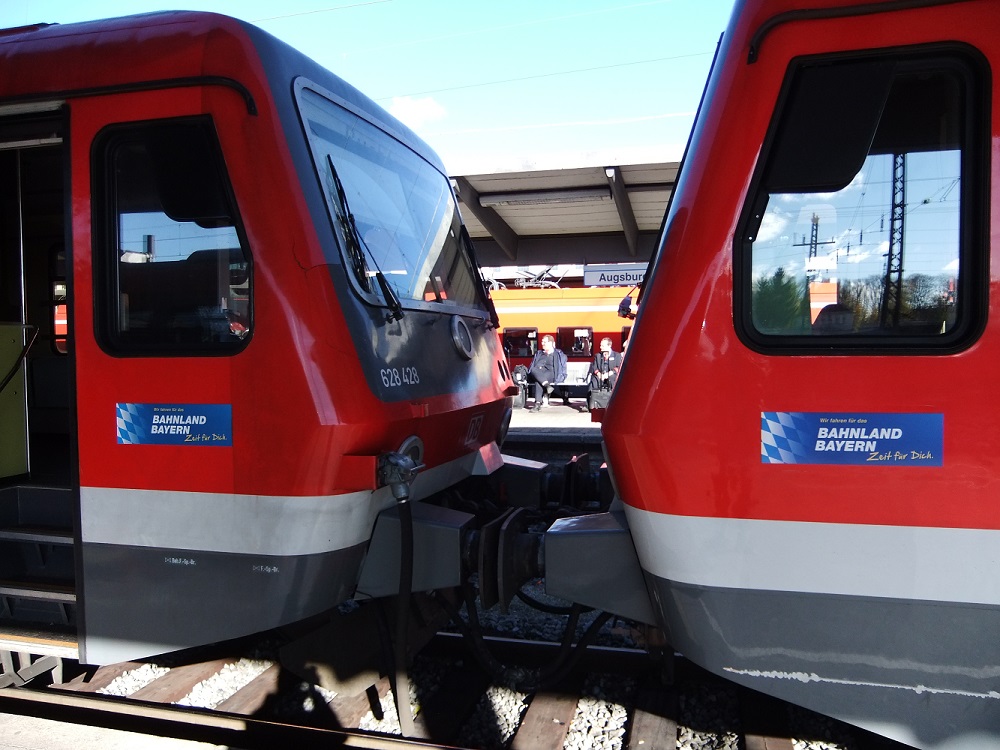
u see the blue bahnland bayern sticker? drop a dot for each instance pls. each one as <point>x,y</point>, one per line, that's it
<point>795,437</point>
<point>175,424</point>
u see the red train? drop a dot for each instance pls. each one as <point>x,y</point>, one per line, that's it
<point>800,437</point>
<point>241,318</point>
<point>801,433</point>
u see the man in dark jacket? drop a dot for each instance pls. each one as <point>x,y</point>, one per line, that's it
<point>604,374</point>
<point>548,367</point>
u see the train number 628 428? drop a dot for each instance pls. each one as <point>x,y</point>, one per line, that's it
<point>393,377</point>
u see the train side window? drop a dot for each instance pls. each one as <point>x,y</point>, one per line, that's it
<point>575,342</point>
<point>520,342</point>
<point>173,275</point>
<point>865,227</point>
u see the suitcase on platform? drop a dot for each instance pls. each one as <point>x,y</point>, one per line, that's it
<point>599,399</point>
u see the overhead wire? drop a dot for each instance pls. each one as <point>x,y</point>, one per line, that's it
<point>320,10</point>
<point>505,27</point>
<point>552,74</point>
<point>493,30</point>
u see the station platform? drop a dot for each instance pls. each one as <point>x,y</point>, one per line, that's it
<point>552,429</point>
<point>30,733</point>
<point>555,416</point>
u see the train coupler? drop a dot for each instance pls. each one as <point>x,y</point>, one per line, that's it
<point>577,485</point>
<point>509,555</point>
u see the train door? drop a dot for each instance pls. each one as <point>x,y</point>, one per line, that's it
<point>162,310</point>
<point>35,352</point>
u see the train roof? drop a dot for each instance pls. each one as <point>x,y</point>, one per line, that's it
<point>62,61</point>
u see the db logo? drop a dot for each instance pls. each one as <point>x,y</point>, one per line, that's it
<point>475,427</point>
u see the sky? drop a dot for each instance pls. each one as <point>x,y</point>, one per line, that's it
<point>491,86</point>
<point>854,224</point>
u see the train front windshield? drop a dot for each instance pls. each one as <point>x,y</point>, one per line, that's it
<point>396,210</point>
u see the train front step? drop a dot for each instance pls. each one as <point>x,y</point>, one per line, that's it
<point>37,573</point>
<point>36,535</point>
<point>36,505</point>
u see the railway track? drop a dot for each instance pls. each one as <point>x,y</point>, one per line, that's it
<point>614,698</point>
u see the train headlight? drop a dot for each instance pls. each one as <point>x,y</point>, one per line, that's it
<point>461,337</point>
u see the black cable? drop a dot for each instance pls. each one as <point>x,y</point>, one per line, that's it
<point>517,678</point>
<point>403,616</point>
<point>551,609</point>
<point>557,675</point>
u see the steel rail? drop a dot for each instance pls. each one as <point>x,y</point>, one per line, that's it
<point>197,725</point>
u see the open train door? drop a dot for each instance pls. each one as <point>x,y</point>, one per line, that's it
<point>13,400</point>
<point>37,493</point>
<point>34,351</point>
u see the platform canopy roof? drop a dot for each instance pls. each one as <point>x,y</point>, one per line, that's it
<point>604,214</point>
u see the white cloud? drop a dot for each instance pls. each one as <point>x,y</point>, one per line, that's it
<point>772,226</point>
<point>416,112</point>
<point>855,256</point>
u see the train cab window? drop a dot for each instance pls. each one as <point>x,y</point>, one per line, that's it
<point>520,342</point>
<point>173,275</point>
<point>396,213</point>
<point>865,229</point>
<point>575,342</point>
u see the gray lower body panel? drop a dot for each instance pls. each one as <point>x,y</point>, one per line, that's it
<point>924,673</point>
<point>142,601</point>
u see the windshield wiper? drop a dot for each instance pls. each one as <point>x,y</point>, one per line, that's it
<point>357,248</point>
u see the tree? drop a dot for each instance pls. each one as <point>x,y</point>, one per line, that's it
<point>780,305</point>
<point>864,297</point>
<point>924,303</point>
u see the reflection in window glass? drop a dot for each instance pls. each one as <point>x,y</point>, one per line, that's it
<point>182,277</point>
<point>821,261</point>
<point>407,224</point>
<point>520,342</point>
<point>575,342</point>
<point>875,251</point>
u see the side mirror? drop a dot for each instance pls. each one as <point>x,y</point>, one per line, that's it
<point>625,308</point>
